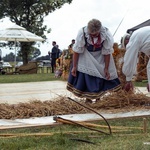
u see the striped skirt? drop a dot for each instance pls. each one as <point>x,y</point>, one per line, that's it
<point>87,86</point>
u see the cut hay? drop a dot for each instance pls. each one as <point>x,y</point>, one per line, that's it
<point>40,109</point>
<point>114,102</point>
<point>123,101</point>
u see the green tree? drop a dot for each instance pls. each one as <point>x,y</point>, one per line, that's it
<point>9,57</point>
<point>30,15</point>
<point>36,53</point>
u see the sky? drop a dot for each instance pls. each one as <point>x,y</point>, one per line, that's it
<point>116,15</point>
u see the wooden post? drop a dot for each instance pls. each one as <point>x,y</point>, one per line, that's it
<point>144,125</point>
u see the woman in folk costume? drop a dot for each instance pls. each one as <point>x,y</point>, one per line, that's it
<point>125,40</point>
<point>93,69</point>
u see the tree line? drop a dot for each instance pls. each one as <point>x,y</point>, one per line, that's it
<point>30,15</point>
<point>11,57</point>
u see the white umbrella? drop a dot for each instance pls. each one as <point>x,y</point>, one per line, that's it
<point>18,33</point>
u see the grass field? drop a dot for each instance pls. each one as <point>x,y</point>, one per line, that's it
<point>16,78</point>
<point>73,137</point>
<point>27,78</point>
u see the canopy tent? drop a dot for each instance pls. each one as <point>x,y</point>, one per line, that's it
<point>146,23</point>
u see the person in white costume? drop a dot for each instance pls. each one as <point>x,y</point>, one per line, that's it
<point>139,42</point>
<point>93,70</point>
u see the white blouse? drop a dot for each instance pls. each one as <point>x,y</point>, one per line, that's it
<point>106,36</point>
<point>92,63</point>
<point>139,42</point>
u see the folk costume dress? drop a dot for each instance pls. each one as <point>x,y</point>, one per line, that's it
<point>90,81</point>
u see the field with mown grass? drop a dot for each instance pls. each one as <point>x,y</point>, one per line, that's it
<point>16,78</point>
<point>73,137</point>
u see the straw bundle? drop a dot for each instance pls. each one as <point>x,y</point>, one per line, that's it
<point>114,102</point>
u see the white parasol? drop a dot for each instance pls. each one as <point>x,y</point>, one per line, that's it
<point>18,33</point>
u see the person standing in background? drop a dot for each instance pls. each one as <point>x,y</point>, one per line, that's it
<point>54,54</point>
<point>59,52</point>
<point>0,54</point>
<point>72,43</point>
<point>70,48</point>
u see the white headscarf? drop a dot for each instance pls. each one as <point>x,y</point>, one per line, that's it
<point>123,40</point>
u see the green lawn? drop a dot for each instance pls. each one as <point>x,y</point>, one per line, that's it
<point>28,78</point>
<point>141,84</point>
<point>16,78</point>
<point>73,137</point>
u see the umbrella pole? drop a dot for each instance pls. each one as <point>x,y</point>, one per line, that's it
<point>15,56</point>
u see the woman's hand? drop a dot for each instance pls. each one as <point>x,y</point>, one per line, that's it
<point>128,86</point>
<point>74,71</point>
<point>107,74</point>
